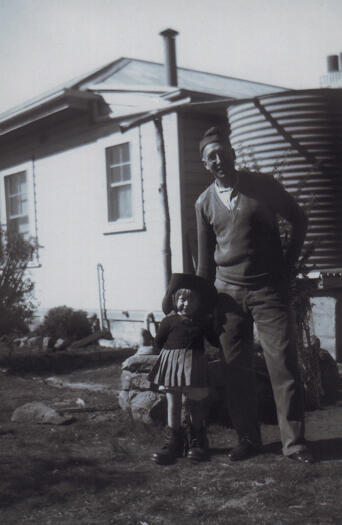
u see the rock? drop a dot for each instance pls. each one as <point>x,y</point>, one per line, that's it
<point>62,383</point>
<point>146,338</point>
<point>134,381</point>
<point>34,342</point>
<point>126,380</point>
<point>106,343</point>
<point>92,338</point>
<point>125,397</point>
<point>47,344</point>
<point>40,413</point>
<point>148,407</point>
<point>124,400</point>
<point>60,344</point>
<point>146,350</point>
<point>116,343</point>
<point>20,341</point>
<point>136,396</point>
<point>139,363</point>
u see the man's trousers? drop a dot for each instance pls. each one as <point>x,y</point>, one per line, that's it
<point>266,306</point>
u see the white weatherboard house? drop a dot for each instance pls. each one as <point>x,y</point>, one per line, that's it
<point>91,195</point>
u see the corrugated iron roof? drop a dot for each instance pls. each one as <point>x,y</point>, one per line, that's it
<point>141,72</point>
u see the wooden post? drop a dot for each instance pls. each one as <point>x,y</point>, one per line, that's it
<point>156,116</point>
<point>166,247</point>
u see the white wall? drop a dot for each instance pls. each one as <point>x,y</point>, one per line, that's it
<point>71,210</point>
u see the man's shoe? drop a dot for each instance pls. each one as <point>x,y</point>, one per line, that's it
<point>198,445</point>
<point>303,456</point>
<point>244,450</point>
<point>173,448</point>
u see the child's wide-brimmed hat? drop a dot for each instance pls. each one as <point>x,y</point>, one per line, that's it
<point>191,282</point>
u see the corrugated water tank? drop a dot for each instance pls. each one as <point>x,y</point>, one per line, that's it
<point>298,134</point>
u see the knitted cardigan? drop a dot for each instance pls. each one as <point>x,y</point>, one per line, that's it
<point>176,331</point>
<point>244,243</point>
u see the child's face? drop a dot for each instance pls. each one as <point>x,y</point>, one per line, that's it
<point>187,302</point>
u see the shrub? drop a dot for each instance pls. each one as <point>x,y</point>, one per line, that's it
<point>66,323</point>
<point>16,288</point>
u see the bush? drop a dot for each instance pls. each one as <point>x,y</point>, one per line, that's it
<point>66,323</point>
<point>16,306</point>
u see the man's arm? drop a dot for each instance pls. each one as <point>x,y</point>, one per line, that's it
<point>288,208</point>
<point>205,245</point>
<point>211,334</point>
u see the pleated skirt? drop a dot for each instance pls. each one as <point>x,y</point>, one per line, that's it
<point>179,368</point>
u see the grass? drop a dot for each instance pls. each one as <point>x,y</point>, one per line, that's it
<point>97,470</point>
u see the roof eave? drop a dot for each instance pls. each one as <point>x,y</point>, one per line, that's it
<point>54,103</point>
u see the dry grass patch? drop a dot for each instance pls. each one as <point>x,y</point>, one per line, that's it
<point>97,470</point>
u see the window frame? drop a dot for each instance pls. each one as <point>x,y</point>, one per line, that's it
<point>9,196</point>
<point>28,168</point>
<point>120,183</point>
<point>136,222</point>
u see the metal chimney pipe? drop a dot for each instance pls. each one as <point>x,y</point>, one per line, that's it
<point>332,63</point>
<point>169,36</point>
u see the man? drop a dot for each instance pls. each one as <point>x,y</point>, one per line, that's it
<point>238,235</point>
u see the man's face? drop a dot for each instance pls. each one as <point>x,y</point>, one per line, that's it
<point>219,160</point>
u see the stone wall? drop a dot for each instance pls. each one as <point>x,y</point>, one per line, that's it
<point>136,396</point>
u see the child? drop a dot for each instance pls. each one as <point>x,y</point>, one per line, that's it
<point>182,367</point>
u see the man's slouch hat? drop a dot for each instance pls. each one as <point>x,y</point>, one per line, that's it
<point>213,134</point>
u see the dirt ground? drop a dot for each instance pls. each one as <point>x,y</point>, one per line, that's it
<point>97,469</point>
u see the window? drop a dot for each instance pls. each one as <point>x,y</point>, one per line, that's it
<point>122,182</point>
<point>119,182</point>
<point>16,196</point>
<point>18,203</point>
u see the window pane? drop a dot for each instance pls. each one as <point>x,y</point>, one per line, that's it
<point>14,206</point>
<point>22,225</point>
<point>125,201</point>
<point>115,174</point>
<point>17,205</point>
<point>113,155</point>
<point>19,225</point>
<point>22,184</point>
<point>126,172</point>
<point>16,183</point>
<point>112,205</point>
<point>125,152</point>
<point>120,203</point>
<point>24,207</point>
<point>12,184</point>
<point>118,154</point>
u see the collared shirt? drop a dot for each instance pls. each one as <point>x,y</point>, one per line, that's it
<point>229,196</point>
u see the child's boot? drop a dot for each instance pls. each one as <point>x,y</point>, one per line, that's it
<point>198,444</point>
<point>173,447</point>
